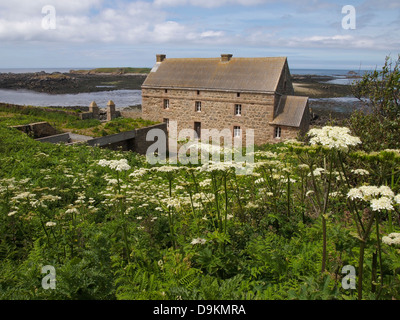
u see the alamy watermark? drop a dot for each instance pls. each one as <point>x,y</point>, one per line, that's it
<point>49,281</point>
<point>49,21</point>
<point>349,20</point>
<point>349,280</point>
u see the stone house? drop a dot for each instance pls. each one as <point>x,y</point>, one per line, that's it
<point>226,92</point>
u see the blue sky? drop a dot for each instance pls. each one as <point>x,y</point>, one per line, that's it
<point>99,33</point>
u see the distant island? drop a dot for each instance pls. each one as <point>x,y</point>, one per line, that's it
<point>76,81</point>
<point>124,70</point>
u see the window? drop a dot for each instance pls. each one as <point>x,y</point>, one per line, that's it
<point>238,109</point>
<point>198,106</point>
<point>237,132</point>
<point>165,120</point>
<point>238,94</point>
<point>278,132</point>
<point>166,103</point>
<point>198,92</point>
<point>197,129</point>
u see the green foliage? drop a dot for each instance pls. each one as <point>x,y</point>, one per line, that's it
<point>125,124</point>
<point>161,232</point>
<point>378,127</point>
<point>321,288</point>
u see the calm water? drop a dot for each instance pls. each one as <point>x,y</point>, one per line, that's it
<point>121,98</point>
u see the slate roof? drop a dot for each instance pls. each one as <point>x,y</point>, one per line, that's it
<point>290,111</point>
<point>238,74</point>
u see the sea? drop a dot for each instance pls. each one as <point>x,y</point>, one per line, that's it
<point>121,98</point>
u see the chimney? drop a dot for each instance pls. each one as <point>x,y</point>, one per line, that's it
<point>161,57</point>
<point>226,57</point>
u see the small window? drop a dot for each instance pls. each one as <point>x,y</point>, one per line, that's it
<point>197,129</point>
<point>238,94</point>
<point>237,132</point>
<point>198,92</point>
<point>278,132</point>
<point>166,103</point>
<point>166,91</point>
<point>238,109</point>
<point>165,120</point>
<point>198,106</point>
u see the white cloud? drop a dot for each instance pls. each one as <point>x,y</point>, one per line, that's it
<point>212,34</point>
<point>134,22</point>
<point>144,22</point>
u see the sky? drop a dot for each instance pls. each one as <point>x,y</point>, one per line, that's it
<point>312,34</point>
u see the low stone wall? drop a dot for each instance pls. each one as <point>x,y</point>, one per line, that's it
<point>134,140</point>
<point>134,114</point>
<point>141,144</point>
<point>37,130</point>
<point>58,138</point>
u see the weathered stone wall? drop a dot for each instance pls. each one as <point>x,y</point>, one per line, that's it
<point>38,129</point>
<point>305,123</point>
<point>140,143</point>
<point>285,85</point>
<point>292,132</point>
<point>87,116</point>
<point>217,110</point>
<point>289,133</point>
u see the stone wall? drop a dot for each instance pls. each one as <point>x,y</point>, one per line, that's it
<point>217,110</point>
<point>140,143</point>
<point>134,140</point>
<point>289,133</point>
<point>37,130</point>
<point>285,86</point>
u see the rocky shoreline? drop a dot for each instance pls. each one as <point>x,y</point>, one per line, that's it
<point>317,88</point>
<point>65,83</point>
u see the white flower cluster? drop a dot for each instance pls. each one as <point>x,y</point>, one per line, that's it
<point>360,172</point>
<point>333,137</point>
<point>218,166</point>
<point>51,224</point>
<point>198,241</point>
<point>392,239</point>
<point>166,169</point>
<point>380,198</point>
<point>172,203</point>
<point>139,173</point>
<point>118,165</point>
<point>317,172</point>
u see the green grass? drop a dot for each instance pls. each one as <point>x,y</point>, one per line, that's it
<point>134,234</point>
<point>12,115</point>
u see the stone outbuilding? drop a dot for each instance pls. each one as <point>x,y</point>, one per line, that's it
<point>226,92</point>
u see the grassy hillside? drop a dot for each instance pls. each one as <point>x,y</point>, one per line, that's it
<point>67,121</point>
<point>115,227</point>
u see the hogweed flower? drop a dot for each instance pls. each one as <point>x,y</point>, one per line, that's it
<point>139,173</point>
<point>360,172</point>
<point>383,203</point>
<point>333,137</point>
<point>118,165</point>
<point>392,239</point>
<point>198,241</point>
<point>380,198</point>
<point>51,224</point>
